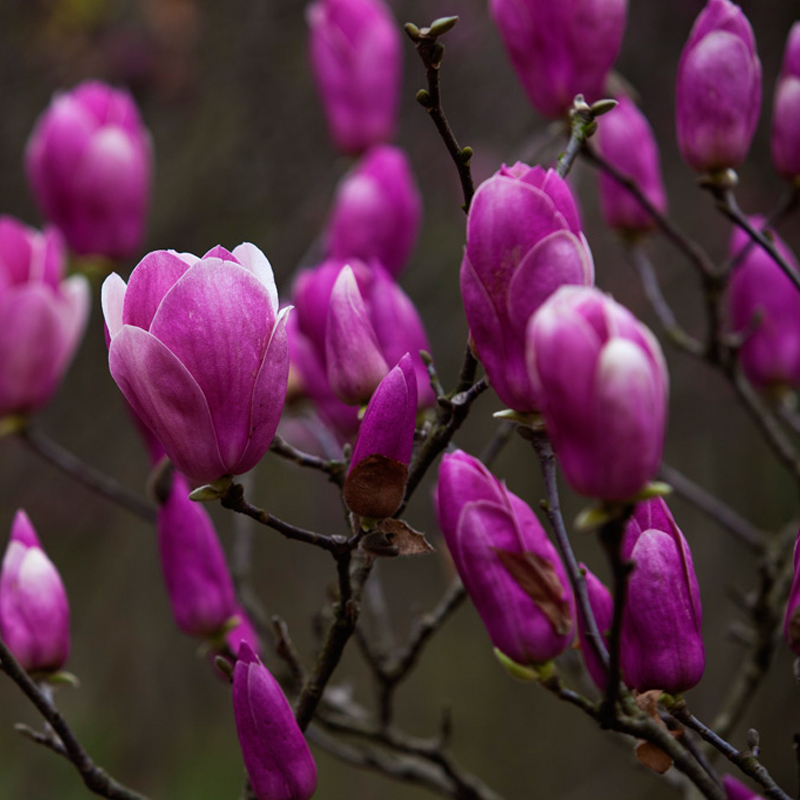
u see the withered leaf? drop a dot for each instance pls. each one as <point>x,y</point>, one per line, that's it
<point>648,702</point>
<point>653,757</point>
<point>375,486</point>
<point>537,578</point>
<point>393,537</point>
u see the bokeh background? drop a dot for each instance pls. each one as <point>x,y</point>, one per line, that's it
<point>242,155</point>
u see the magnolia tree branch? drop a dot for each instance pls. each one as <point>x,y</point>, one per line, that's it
<point>726,203</point>
<point>67,745</point>
<point>91,478</point>
<point>552,507</point>
<point>335,470</point>
<point>747,762</point>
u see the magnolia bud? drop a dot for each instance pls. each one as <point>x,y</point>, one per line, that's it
<point>277,759</point>
<point>718,91</point>
<point>661,644</point>
<point>34,613</point>
<point>786,110</point>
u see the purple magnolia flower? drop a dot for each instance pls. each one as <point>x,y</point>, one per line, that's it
<point>354,46</point>
<point>277,759</point>
<point>507,564</point>
<point>352,353</point>
<point>602,605</point>
<point>626,140</point>
<point>764,308</point>
<point>196,573</point>
<point>377,210</point>
<point>791,624</point>
<point>199,349</point>
<point>391,315</point>
<point>786,110</point>
<point>89,162</point>
<point>718,92</point>
<point>523,241</point>
<point>661,646</point>
<point>42,316</point>
<point>34,613</point>
<point>601,384</point>
<point>735,790</point>
<point>378,472</point>
<point>560,49</point>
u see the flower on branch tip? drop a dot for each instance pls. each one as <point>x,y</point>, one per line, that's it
<point>524,241</point>
<point>276,756</point>
<point>601,383</point>
<point>786,111</point>
<point>89,162</point>
<point>509,568</point>
<point>199,349</point>
<point>718,89</point>
<point>42,315</point>
<point>34,612</point>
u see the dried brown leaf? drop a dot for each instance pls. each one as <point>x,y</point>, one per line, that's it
<point>538,579</point>
<point>393,537</point>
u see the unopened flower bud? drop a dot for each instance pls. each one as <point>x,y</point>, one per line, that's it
<point>625,139</point>
<point>89,163</point>
<point>601,385</point>
<point>524,241</point>
<point>34,613</point>
<point>354,360</point>
<point>196,573</point>
<point>786,111</point>
<point>376,482</point>
<point>602,605</point>
<point>736,790</point>
<point>376,211</point>
<point>764,310</point>
<point>507,564</point>
<point>277,759</point>
<point>718,91</point>
<point>354,46</point>
<point>561,49</point>
<point>661,644</point>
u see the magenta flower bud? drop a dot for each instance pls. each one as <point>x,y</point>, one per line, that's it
<point>626,140</point>
<point>354,47</point>
<point>353,356</point>
<point>764,308</point>
<point>507,564</point>
<point>601,385</point>
<point>791,624</point>
<point>523,242</point>
<point>561,49</point>
<point>199,349</point>
<point>277,759</point>
<point>376,481</point>
<point>34,613</point>
<point>196,573</point>
<point>392,317</point>
<point>786,111</point>
<point>242,631</point>
<point>42,316</point>
<point>661,646</point>
<point>718,91</point>
<point>89,162</point>
<point>735,790</point>
<point>377,210</point>
<point>602,605</point>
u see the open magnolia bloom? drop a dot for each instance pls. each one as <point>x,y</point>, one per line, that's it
<point>199,349</point>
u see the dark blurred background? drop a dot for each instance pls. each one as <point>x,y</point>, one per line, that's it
<point>242,155</point>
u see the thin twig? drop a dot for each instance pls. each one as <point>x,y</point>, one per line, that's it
<point>502,436</point>
<point>672,328</point>
<point>96,779</point>
<point>726,202</point>
<point>431,51</point>
<point>544,451</point>
<point>234,500</point>
<point>335,470</point>
<point>746,761</point>
<point>91,478</point>
<point>712,506</point>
